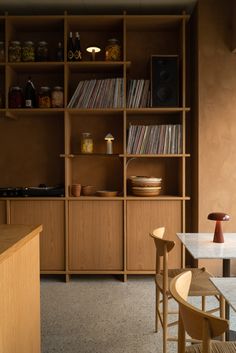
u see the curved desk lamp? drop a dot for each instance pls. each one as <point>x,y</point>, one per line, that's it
<point>218,217</point>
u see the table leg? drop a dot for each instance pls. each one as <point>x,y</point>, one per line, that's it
<point>229,335</point>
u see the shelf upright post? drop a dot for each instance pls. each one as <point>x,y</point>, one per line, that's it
<point>124,149</point>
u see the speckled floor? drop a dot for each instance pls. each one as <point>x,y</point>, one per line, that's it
<point>99,315</point>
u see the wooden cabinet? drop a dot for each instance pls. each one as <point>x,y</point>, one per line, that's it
<point>52,240</point>
<point>95,235</point>
<point>3,218</point>
<point>43,146</point>
<point>142,218</point>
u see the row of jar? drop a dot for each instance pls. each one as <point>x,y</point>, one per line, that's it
<point>29,98</point>
<point>28,52</point>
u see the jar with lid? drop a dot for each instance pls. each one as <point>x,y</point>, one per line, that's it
<point>16,98</point>
<point>113,50</point>
<point>28,51</point>
<point>44,97</point>
<point>2,52</point>
<point>14,51</point>
<point>42,51</point>
<point>86,143</point>
<point>57,97</point>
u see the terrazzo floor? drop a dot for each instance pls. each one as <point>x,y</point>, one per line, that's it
<point>100,315</point>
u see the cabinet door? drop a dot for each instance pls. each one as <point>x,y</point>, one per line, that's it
<point>96,235</point>
<point>51,215</point>
<point>142,218</point>
<point>3,218</point>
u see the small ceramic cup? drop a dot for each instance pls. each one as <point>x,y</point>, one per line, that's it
<point>75,190</point>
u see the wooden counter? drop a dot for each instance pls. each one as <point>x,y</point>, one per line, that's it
<point>19,289</point>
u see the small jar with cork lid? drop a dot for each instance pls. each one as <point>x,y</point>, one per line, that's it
<point>86,143</point>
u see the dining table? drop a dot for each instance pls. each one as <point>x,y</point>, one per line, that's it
<point>201,246</point>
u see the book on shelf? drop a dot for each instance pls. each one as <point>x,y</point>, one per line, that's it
<point>138,93</point>
<point>155,139</point>
<point>102,93</point>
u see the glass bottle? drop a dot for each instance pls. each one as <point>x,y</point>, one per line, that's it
<point>44,97</point>
<point>60,52</point>
<point>30,94</point>
<point>16,98</point>
<point>42,51</point>
<point>28,51</point>
<point>86,143</point>
<point>113,50</point>
<point>70,49</point>
<point>77,49</point>
<point>14,51</point>
<point>57,97</point>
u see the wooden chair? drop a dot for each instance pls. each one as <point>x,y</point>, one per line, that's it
<point>200,285</point>
<point>197,323</point>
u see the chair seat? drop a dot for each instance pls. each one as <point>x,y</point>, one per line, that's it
<point>216,347</point>
<point>200,284</point>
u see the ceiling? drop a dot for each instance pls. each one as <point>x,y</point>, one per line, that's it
<point>95,6</point>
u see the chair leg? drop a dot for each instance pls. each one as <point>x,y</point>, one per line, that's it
<point>203,303</point>
<point>165,321</point>
<point>222,313</point>
<point>157,308</point>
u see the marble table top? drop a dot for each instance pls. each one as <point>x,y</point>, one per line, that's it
<point>201,246</point>
<point>227,287</point>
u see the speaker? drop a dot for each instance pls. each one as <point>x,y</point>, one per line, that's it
<point>164,81</point>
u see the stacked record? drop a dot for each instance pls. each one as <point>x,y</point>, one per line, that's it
<point>145,186</point>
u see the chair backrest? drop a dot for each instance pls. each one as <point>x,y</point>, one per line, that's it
<point>197,323</point>
<point>163,247</point>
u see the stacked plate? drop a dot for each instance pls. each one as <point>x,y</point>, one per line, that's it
<point>145,186</point>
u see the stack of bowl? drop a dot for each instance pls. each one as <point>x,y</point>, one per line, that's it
<point>145,185</point>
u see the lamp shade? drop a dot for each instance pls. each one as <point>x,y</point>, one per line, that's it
<point>218,216</point>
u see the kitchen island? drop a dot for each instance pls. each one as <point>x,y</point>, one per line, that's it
<point>19,289</point>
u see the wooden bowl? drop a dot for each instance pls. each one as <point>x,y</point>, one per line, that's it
<point>88,190</point>
<point>106,193</point>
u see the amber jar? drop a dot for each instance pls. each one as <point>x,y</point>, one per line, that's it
<point>44,97</point>
<point>16,98</point>
<point>28,51</point>
<point>14,51</point>
<point>86,143</point>
<point>42,51</point>
<point>57,97</point>
<point>113,50</point>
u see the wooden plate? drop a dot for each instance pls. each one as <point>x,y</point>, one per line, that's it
<point>106,193</point>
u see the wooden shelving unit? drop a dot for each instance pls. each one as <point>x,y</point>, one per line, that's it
<point>91,234</point>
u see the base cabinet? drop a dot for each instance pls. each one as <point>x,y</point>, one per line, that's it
<point>95,235</point>
<point>3,218</point>
<point>52,240</point>
<point>142,218</point>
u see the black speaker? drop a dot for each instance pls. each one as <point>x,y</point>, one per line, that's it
<point>164,81</point>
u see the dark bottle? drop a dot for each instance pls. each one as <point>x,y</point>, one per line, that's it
<point>60,52</point>
<point>77,50</point>
<point>30,94</point>
<point>70,48</point>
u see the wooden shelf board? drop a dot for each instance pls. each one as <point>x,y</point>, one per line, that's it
<point>92,155</point>
<point>95,111</point>
<point>97,66</point>
<point>53,272</point>
<point>155,155</point>
<point>15,113</point>
<point>38,67</point>
<point>166,110</point>
<point>95,198</point>
<point>35,198</point>
<point>160,198</point>
<point>95,272</point>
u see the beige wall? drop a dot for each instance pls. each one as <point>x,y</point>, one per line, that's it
<point>216,114</point>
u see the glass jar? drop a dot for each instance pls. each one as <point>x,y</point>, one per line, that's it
<point>44,97</point>
<point>113,50</point>
<point>42,51</point>
<point>57,97</point>
<point>28,51</point>
<point>86,143</point>
<point>16,98</point>
<point>2,52</point>
<point>14,51</point>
